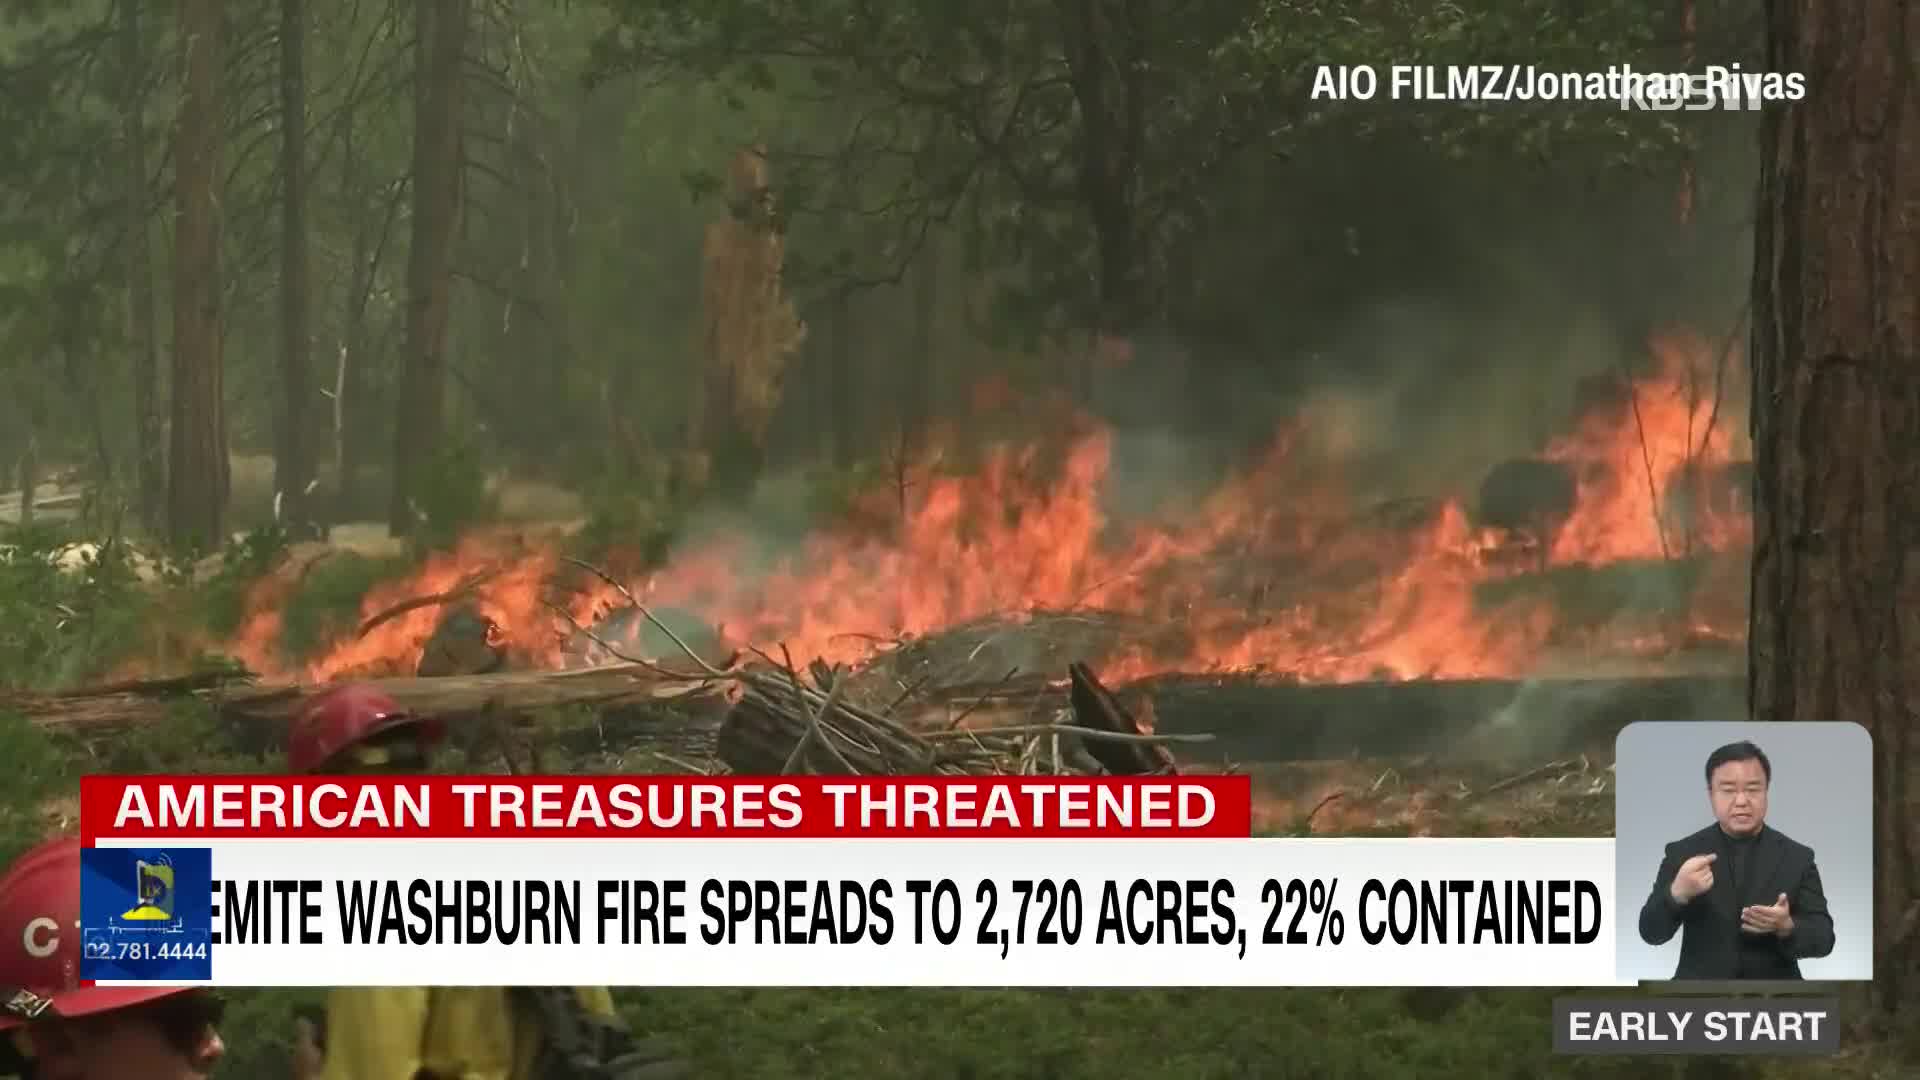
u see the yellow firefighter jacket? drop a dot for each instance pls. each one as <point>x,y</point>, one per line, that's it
<point>446,1032</point>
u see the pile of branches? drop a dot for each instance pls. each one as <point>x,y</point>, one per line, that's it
<point>781,723</point>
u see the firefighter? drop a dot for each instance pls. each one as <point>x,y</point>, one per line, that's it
<point>397,1033</point>
<point>55,1029</point>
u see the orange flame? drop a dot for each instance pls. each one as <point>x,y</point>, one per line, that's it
<point>1277,570</point>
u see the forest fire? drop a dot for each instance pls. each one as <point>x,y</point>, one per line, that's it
<point>1278,570</point>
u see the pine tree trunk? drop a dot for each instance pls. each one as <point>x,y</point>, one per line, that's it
<point>150,469</point>
<point>1836,414</point>
<point>923,366</point>
<point>197,461</point>
<point>440,28</point>
<point>843,388</point>
<point>1689,183</point>
<point>293,466</point>
<point>1102,43</point>
<point>349,363</point>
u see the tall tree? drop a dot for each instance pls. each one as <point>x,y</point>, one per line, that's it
<point>440,35</point>
<point>197,479</point>
<point>1836,415</point>
<point>293,464</point>
<point>150,475</point>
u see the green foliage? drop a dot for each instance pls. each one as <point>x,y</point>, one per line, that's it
<point>321,607</point>
<point>628,516</point>
<point>191,738</point>
<point>258,1029</point>
<point>452,493</point>
<point>326,606</point>
<point>221,600</point>
<point>58,234</point>
<point>837,494</point>
<point>33,770</point>
<point>65,626</point>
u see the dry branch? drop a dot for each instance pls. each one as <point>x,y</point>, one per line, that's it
<point>461,591</point>
<point>781,725</point>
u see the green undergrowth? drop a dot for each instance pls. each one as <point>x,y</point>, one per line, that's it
<point>326,604</point>
<point>60,627</point>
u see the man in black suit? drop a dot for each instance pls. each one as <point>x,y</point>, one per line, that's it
<point>1745,897</point>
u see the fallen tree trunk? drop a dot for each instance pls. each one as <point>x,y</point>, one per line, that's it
<point>131,704</point>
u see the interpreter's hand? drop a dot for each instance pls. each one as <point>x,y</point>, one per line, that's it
<point>1694,878</point>
<point>1775,918</point>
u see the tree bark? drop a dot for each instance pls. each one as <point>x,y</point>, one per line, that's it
<point>348,363</point>
<point>29,475</point>
<point>293,466</point>
<point>843,418</point>
<point>749,330</point>
<point>150,475</point>
<point>923,366</point>
<point>1105,44</point>
<point>1683,205</point>
<point>1836,414</point>
<point>197,477</point>
<point>440,32</point>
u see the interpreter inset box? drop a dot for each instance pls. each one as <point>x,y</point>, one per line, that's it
<point>1744,851</point>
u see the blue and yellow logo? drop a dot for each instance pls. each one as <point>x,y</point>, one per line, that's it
<point>153,884</point>
<point>146,914</point>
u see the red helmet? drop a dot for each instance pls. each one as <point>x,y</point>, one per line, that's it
<point>347,716</point>
<point>40,942</point>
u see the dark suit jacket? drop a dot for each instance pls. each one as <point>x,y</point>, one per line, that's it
<point>1712,945</point>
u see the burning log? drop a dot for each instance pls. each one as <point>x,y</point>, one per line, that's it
<point>1096,707</point>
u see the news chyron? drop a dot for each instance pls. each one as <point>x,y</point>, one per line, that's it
<point>956,881</point>
<point>1743,867</point>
